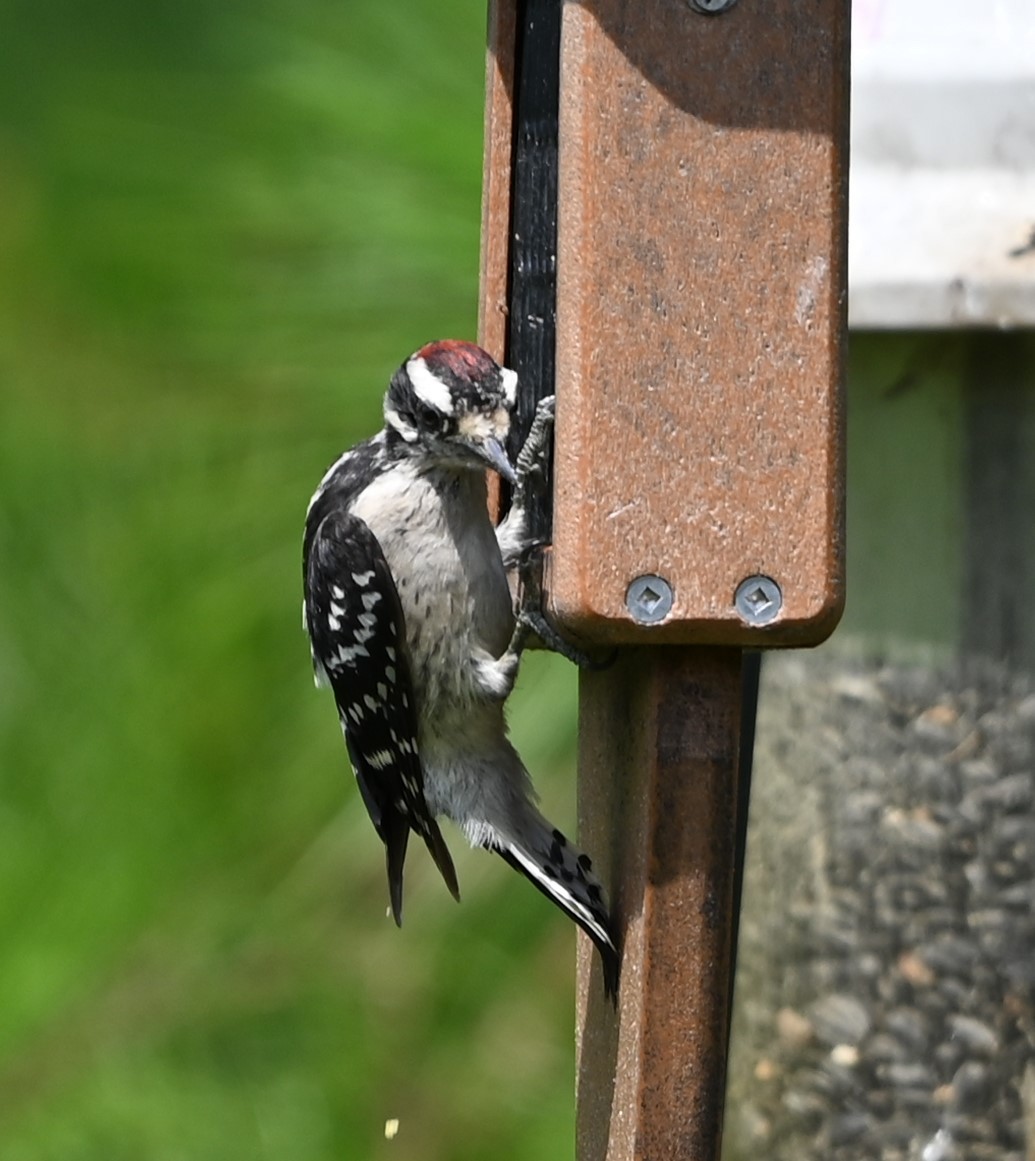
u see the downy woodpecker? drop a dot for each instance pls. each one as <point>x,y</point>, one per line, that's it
<point>412,624</point>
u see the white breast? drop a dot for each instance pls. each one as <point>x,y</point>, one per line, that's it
<point>436,535</point>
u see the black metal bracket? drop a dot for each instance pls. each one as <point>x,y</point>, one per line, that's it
<point>532,293</point>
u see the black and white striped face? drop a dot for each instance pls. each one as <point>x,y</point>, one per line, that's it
<point>452,402</point>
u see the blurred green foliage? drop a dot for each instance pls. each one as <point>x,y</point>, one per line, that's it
<point>221,228</point>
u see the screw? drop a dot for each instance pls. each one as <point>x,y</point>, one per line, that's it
<point>649,599</point>
<point>758,600</point>
<point>711,7</point>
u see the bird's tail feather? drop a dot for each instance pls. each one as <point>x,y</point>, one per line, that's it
<point>436,844</point>
<point>565,876</point>
<point>396,832</point>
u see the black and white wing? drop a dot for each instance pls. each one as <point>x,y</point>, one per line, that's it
<point>355,625</point>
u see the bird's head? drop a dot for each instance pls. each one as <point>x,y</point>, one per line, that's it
<point>451,402</point>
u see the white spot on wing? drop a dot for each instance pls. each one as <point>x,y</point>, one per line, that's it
<point>361,578</point>
<point>370,600</point>
<point>428,387</point>
<point>347,654</point>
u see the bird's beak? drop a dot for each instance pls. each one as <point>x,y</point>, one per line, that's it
<point>491,450</point>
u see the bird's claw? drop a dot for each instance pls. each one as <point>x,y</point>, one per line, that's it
<point>532,463</point>
<point>532,621</point>
<point>532,457</point>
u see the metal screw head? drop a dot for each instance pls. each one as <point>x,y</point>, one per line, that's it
<point>758,600</point>
<point>649,599</point>
<point>711,7</point>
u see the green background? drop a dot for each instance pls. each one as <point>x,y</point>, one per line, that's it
<point>222,226</point>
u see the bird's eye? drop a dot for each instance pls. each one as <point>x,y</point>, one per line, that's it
<point>431,419</point>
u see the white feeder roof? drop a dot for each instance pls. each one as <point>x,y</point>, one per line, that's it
<point>942,198</point>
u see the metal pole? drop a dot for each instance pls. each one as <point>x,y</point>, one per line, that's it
<point>659,735</point>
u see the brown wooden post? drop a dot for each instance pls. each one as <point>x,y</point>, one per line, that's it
<point>698,472</point>
<point>658,750</point>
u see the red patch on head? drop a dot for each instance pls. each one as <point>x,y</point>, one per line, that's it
<point>464,360</point>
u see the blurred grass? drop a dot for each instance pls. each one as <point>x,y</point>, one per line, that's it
<point>221,227</point>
